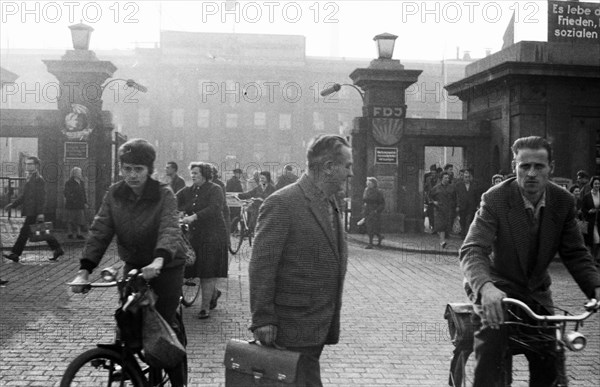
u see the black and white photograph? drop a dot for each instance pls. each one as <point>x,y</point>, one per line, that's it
<point>300,193</point>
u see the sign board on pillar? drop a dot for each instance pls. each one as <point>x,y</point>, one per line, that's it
<point>76,150</point>
<point>386,111</point>
<point>573,22</point>
<point>386,156</point>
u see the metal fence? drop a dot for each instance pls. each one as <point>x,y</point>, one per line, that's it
<point>10,189</point>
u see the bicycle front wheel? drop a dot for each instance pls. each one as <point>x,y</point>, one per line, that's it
<point>237,235</point>
<point>190,291</point>
<point>101,367</point>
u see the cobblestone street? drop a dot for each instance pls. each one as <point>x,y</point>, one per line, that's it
<point>393,330</point>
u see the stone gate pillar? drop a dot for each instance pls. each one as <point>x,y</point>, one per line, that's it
<point>377,135</point>
<point>83,136</point>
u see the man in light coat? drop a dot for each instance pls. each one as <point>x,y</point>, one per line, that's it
<point>299,258</point>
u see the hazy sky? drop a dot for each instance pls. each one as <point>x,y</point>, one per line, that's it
<point>426,29</point>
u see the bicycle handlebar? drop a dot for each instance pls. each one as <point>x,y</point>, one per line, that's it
<point>591,308</point>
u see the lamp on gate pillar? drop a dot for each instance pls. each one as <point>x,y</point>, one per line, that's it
<point>376,136</point>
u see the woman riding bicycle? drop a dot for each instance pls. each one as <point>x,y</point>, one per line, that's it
<point>142,213</point>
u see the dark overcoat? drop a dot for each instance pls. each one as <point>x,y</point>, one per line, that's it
<point>298,267</point>
<point>33,197</point>
<point>208,234</point>
<point>75,197</point>
<point>496,248</point>
<point>587,203</point>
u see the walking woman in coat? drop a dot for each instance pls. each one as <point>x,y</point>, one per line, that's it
<point>202,204</point>
<point>373,206</point>
<point>142,214</point>
<point>590,209</point>
<point>75,204</point>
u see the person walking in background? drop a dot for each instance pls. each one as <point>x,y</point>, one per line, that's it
<point>75,204</point>
<point>286,178</point>
<point>173,179</point>
<point>234,184</point>
<point>299,258</point>
<point>583,181</point>
<point>202,205</point>
<point>373,206</point>
<point>431,181</point>
<point>142,213</point>
<point>590,207</point>
<point>497,179</point>
<point>443,197</point>
<point>468,195</point>
<point>261,192</point>
<point>521,226</point>
<point>33,202</point>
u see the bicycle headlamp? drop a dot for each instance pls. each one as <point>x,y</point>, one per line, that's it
<point>575,341</point>
<point>109,274</point>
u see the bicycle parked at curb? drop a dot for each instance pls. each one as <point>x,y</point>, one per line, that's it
<point>240,226</point>
<point>546,333</point>
<point>122,362</point>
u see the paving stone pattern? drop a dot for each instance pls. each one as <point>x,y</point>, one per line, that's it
<point>393,330</point>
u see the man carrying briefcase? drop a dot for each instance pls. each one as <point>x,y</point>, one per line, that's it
<point>299,258</point>
<point>33,201</point>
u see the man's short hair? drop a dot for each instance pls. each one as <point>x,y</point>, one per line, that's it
<point>237,170</point>
<point>532,142</point>
<point>174,165</point>
<point>35,160</point>
<point>323,148</point>
<point>289,168</point>
<point>582,174</point>
<point>448,166</point>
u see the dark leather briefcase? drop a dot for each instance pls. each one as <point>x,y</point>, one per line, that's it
<point>250,364</point>
<point>40,232</point>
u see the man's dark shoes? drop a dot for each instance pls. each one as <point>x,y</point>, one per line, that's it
<point>81,237</point>
<point>57,253</point>
<point>70,236</point>
<point>213,302</point>
<point>379,240</point>
<point>12,256</point>
<point>369,246</point>
<point>203,315</point>
<point>3,282</point>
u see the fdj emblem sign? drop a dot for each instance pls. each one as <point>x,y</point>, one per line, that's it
<point>76,150</point>
<point>386,156</point>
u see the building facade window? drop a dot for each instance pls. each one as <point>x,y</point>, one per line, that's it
<point>285,121</point>
<point>260,120</point>
<point>231,120</point>
<point>343,123</point>
<point>143,117</point>
<point>318,121</point>
<point>176,150</point>
<point>177,118</point>
<point>203,118</point>
<point>202,151</point>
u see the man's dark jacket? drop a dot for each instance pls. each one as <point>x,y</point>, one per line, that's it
<point>33,197</point>
<point>496,248</point>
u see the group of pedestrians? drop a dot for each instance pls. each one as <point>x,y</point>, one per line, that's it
<point>451,200</point>
<point>586,194</point>
<point>296,287</point>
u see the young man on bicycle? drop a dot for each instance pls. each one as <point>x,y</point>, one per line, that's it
<point>522,224</point>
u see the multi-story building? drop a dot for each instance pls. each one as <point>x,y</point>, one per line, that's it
<point>247,99</point>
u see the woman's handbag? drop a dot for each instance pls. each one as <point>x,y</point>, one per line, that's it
<point>250,364</point>
<point>582,225</point>
<point>190,258</point>
<point>162,348</point>
<point>456,229</point>
<point>40,232</point>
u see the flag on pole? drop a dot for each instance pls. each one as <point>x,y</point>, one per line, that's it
<point>509,34</point>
